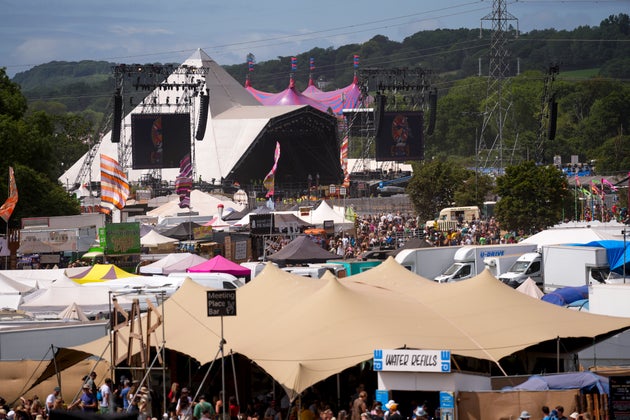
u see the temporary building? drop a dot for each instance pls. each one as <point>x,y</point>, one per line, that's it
<point>100,273</point>
<point>54,300</point>
<point>302,250</point>
<point>10,286</point>
<point>154,239</point>
<point>220,264</point>
<point>73,313</point>
<point>468,318</point>
<point>177,262</point>
<point>237,136</point>
<point>530,288</point>
<point>202,203</point>
<point>182,231</point>
<point>325,213</point>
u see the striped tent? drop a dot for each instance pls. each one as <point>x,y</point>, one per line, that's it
<point>100,273</point>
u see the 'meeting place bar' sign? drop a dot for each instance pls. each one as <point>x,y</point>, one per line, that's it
<point>412,360</point>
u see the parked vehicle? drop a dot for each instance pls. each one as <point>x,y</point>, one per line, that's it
<point>427,262</point>
<point>527,265</point>
<point>468,260</point>
<point>570,265</point>
<point>499,265</point>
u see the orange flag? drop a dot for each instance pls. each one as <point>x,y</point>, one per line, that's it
<point>7,208</point>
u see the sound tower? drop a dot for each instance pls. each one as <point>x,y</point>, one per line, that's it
<point>433,112</point>
<point>553,117</point>
<point>116,123</point>
<point>204,103</point>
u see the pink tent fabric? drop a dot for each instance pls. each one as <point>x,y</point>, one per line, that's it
<point>220,264</point>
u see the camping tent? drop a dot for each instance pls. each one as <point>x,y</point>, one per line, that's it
<point>411,312</point>
<point>220,264</point>
<point>182,231</point>
<point>302,250</point>
<point>530,288</point>
<point>177,262</point>
<point>323,213</point>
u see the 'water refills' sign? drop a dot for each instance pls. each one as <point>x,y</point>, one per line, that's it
<point>412,360</point>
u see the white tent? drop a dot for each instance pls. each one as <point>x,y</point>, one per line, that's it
<point>200,202</point>
<point>530,288</point>
<point>154,239</point>
<point>323,213</point>
<point>10,286</point>
<point>173,263</point>
<point>73,313</point>
<point>571,235</point>
<point>91,300</point>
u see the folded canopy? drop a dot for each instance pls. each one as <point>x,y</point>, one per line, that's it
<point>480,317</point>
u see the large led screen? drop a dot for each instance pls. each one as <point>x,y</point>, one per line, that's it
<point>400,136</point>
<point>159,140</point>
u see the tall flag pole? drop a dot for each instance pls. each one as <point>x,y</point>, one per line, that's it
<point>184,182</point>
<point>270,179</point>
<point>6,210</point>
<point>577,186</point>
<point>343,157</point>
<point>114,185</point>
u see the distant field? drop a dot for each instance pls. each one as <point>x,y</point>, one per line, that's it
<point>578,74</point>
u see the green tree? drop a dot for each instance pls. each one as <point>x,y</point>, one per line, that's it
<point>532,197</point>
<point>474,190</point>
<point>433,186</point>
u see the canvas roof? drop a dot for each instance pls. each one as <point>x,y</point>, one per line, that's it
<point>99,273</point>
<point>90,299</point>
<point>220,264</point>
<point>177,262</point>
<point>480,317</point>
<point>302,250</point>
<point>153,239</point>
<point>10,286</point>
<point>530,288</point>
<point>73,313</point>
<point>201,202</point>
<point>324,212</point>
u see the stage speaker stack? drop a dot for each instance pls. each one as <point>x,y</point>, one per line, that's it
<point>204,103</point>
<point>432,112</point>
<point>553,118</point>
<point>381,101</point>
<point>116,123</point>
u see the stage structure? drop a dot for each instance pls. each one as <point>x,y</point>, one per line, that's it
<point>389,125</point>
<point>164,104</point>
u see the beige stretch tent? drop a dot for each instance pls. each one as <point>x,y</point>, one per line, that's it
<point>323,326</point>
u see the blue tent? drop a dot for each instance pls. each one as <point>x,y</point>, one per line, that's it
<point>584,381</point>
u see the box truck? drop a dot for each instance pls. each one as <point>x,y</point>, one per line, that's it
<point>427,262</point>
<point>527,265</point>
<point>468,260</point>
<point>569,265</point>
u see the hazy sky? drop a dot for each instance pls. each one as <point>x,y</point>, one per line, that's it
<point>38,31</point>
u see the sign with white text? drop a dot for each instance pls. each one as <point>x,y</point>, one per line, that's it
<point>412,360</point>
<point>221,302</point>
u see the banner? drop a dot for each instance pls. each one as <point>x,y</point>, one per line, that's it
<point>343,152</point>
<point>9,205</point>
<point>184,182</point>
<point>270,179</point>
<point>114,186</point>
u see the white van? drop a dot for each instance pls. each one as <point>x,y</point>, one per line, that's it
<point>210,280</point>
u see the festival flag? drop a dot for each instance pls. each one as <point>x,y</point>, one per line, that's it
<point>594,188</point>
<point>7,208</point>
<point>610,185</point>
<point>184,182</point>
<point>586,192</point>
<point>356,61</point>
<point>311,64</point>
<point>343,157</point>
<point>251,60</point>
<point>114,185</point>
<point>577,181</point>
<point>293,63</point>
<point>270,179</point>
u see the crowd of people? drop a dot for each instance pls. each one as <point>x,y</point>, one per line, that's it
<point>390,231</point>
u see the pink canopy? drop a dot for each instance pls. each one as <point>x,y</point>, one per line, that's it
<point>220,264</point>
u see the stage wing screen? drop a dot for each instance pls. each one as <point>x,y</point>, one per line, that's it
<point>159,140</point>
<point>400,136</point>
